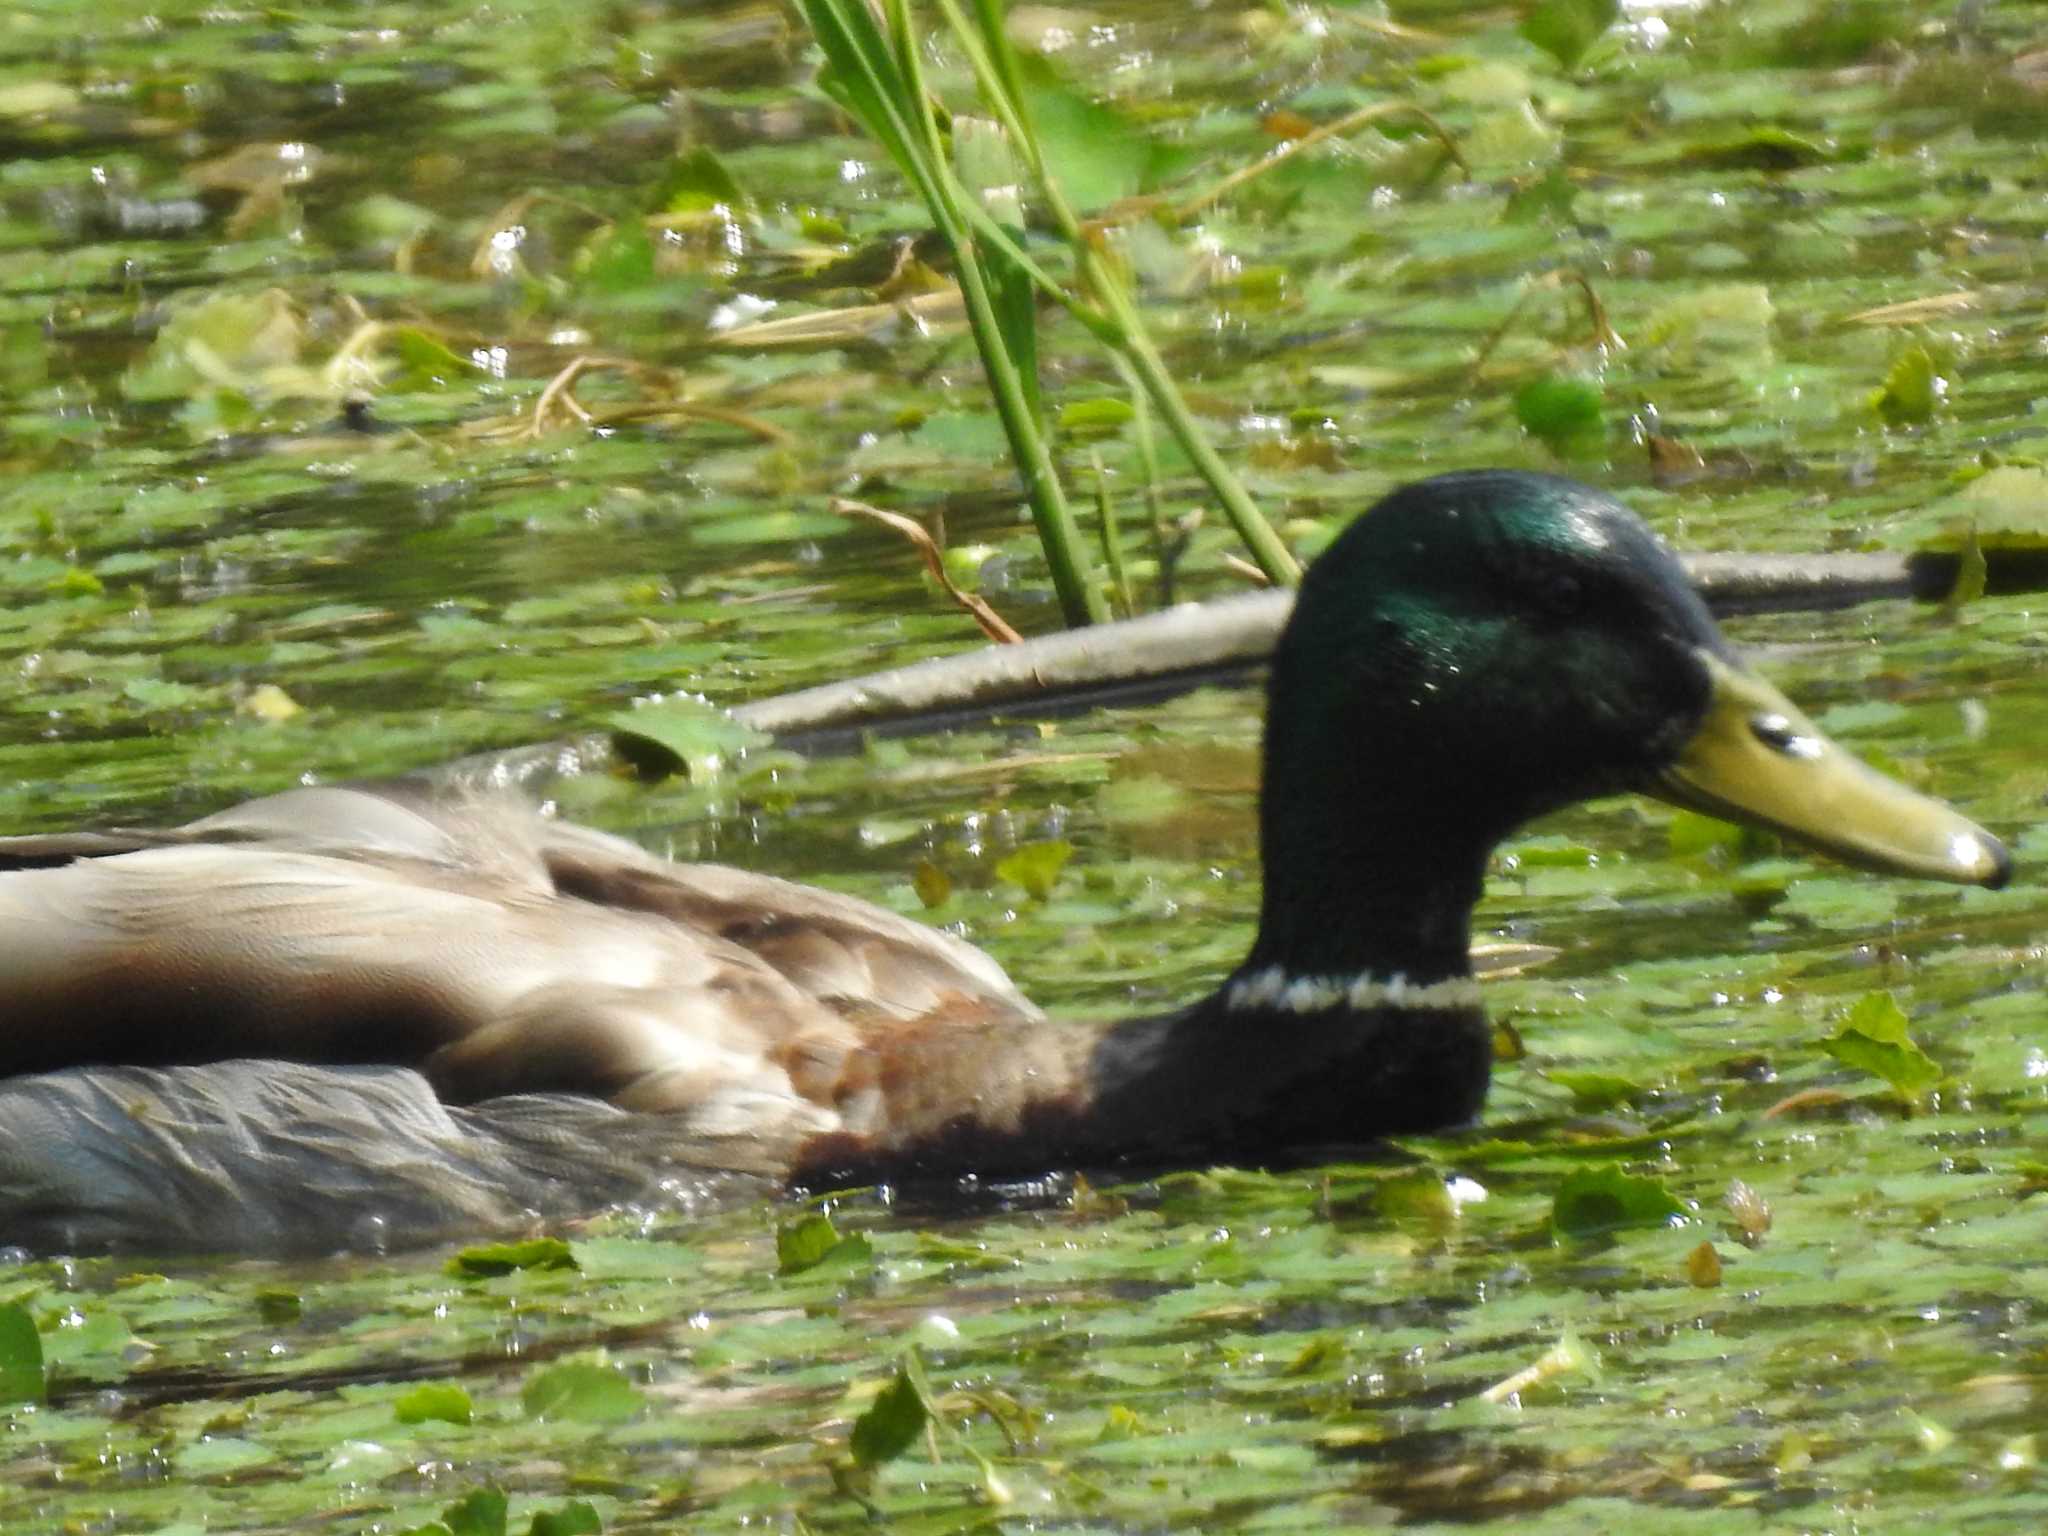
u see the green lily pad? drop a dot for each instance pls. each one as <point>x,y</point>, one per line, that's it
<point>1565,29</point>
<point>680,734</point>
<point>1592,1201</point>
<point>486,1259</point>
<point>479,1513</point>
<point>1595,1091</point>
<point>582,1391</point>
<point>21,1356</point>
<point>1763,148</point>
<point>814,1243</point>
<point>576,1518</point>
<point>1911,390</point>
<point>2005,508</point>
<point>442,1400</point>
<point>696,181</point>
<point>1564,413</point>
<point>1036,867</point>
<point>891,1423</point>
<point>1875,1038</point>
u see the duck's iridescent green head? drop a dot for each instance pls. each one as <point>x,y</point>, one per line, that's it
<point>1481,648</point>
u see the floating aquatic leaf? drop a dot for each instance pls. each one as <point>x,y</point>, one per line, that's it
<point>937,1250</point>
<point>486,1259</point>
<point>680,734</point>
<point>424,361</point>
<point>1122,1423</point>
<point>1841,32</point>
<point>1540,199</point>
<point>247,343</point>
<point>1832,901</point>
<point>581,1391</point>
<point>1911,390</point>
<point>221,1456</point>
<point>480,1513</point>
<point>697,181</point>
<point>2004,508</point>
<point>1103,416</point>
<point>1416,1196</point>
<point>1933,1436</point>
<point>802,1243</point>
<point>1565,29</point>
<point>1595,1091</point>
<point>890,1424</point>
<point>1596,1200</point>
<point>992,623</point>
<point>1692,832</point>
<point>989,168</point>
<point>576,1518</point>
<point>1099,154</point>
<point>618,260</point>
<point>1136,799</point>
<point>1763,148</point>
<point>96,1342</point>
<point>1875,1038</point>
<point>157,693</point>
<point>380,218</point>
<point>1319,1355</point>
<point>1511,139</point>
<point>269,703</point>
<point>1720,321</point>
<point>1973,573</point>
<point>1564,413</point>
<point>812,1242</point>
<point>22,100</point>
<point>442,1400</point>
<point>964,563</point>
<point>1879,1016</point>
<point>21,1356</point>
<point>1035,867</point>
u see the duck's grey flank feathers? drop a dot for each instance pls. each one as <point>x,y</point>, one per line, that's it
<point>273,1156</point>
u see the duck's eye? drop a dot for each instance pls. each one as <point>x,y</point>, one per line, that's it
<point>1780,735</point>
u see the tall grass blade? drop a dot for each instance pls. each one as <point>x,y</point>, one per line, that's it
<point>878,76</point>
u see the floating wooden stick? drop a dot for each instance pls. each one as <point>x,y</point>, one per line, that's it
<point>1186,646</point>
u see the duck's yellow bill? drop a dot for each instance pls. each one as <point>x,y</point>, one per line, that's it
<point>1756,758</point>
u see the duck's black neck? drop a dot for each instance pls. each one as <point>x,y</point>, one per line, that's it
<point>1355,1015</point>
<point>1344,899</point>
<point>1367,873</point>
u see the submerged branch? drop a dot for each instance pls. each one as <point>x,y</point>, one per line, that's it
<point>1187,646</point>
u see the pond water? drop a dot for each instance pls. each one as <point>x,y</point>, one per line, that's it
<point>222,231</point>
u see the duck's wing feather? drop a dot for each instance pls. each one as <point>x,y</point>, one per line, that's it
<point>348,823</point>
<point>833,946</point>
<point>200,952</point>
<point>501,953</point>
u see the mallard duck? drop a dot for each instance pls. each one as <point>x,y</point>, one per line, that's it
<point>1476,650</point>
